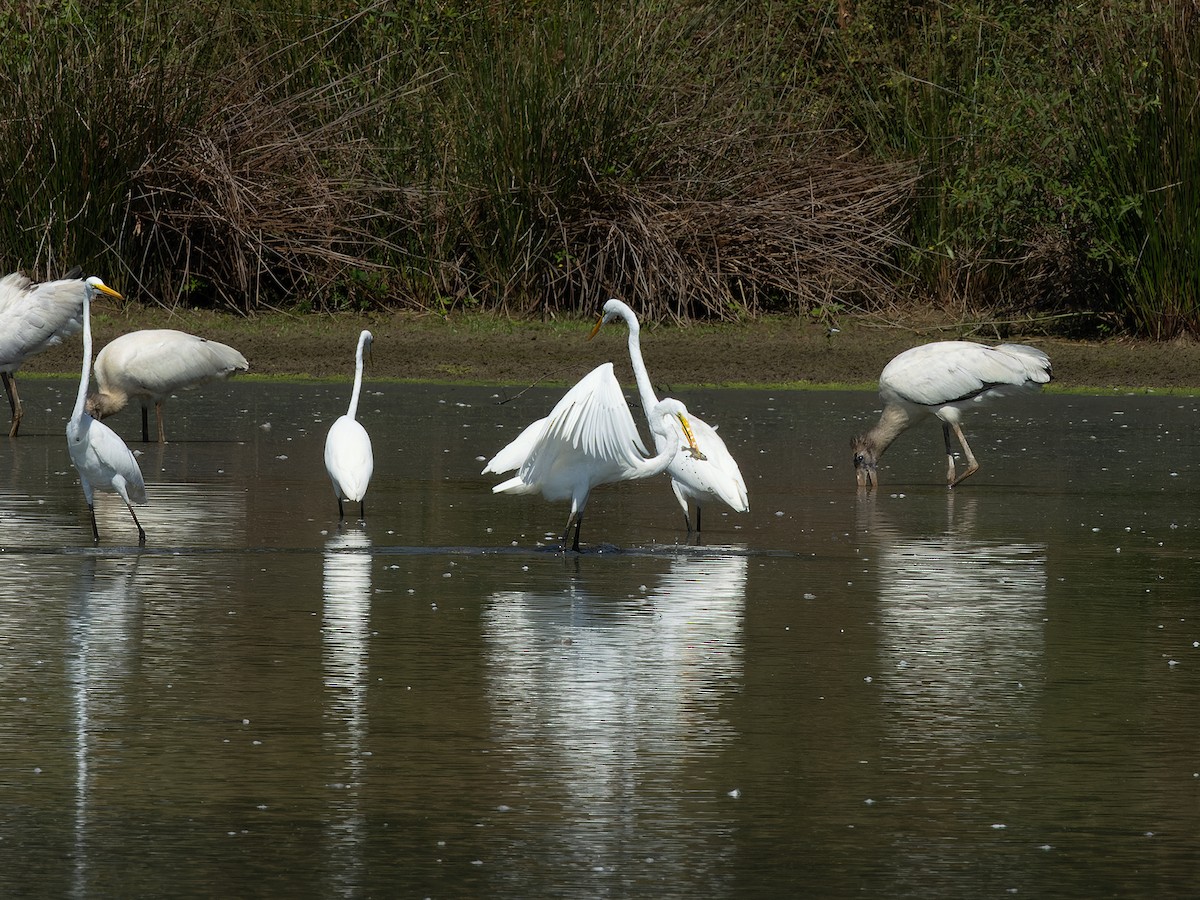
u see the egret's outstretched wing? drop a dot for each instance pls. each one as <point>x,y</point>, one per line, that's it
<point>589,437</point>
<point>516,451</point>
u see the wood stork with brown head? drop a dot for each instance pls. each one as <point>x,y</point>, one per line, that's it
<point>151,365</point>
<point>945,379</point>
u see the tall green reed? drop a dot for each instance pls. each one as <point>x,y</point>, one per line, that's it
<point>1144,168</point>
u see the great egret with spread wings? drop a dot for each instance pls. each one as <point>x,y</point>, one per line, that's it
<point>945,379</point>
<point>103,460</point>
<point>151,365</point>
<point>34,317</point>
<point>348,458</point>
<point>716,476</point>
<point>589,439</point>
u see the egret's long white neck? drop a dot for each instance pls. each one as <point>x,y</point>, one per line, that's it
<point>671,443</point>
<point>84,378</point>
<point>645,388</point>
<point>352,412</point>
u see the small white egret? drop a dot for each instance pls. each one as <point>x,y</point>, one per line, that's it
<point>945,378</point>
<point>151,365</point>
<point>103,460</point>
<point>717,476</point>
<point>34,317</point>
<point>589,439</point>
<point>348,458</point>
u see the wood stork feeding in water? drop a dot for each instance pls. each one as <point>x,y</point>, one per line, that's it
<point>945,379</point>
<point>152,365</point>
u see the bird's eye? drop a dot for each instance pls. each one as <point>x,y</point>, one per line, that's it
<point>858,459</point>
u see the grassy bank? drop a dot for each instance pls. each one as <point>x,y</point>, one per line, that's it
<point>703,160</point>
<point>484,348</point>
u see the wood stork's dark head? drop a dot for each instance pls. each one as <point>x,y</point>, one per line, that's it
<point>865,463</point>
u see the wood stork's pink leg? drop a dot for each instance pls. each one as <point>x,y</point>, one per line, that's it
<point>972,465</point>
<point>14,401</point>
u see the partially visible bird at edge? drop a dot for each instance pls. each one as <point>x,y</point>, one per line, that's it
<point>945,379</point>
<point>33,318</point>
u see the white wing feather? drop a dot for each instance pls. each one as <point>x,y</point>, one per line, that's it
<point>34,317</point>
<point>953,371</point>
<point>589,437</point>
<point>158,361</point>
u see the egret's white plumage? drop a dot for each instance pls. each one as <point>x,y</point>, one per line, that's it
<point>945,379</point>
<point>348,457</point>
<point>717,476</point>
<point>103,460</point>
<point>153,364</point>
<point>588,439</point>
<point>34,317</point>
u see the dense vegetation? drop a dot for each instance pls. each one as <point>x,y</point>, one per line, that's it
<point>700,158</point>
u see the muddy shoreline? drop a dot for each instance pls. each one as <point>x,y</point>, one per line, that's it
<point>489,349</point>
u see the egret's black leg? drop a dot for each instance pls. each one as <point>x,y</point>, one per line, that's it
<point>576,521</point>
<point>341,510</point>
<point>95,530</point>
<point>145,425</point>
<point>697,518</point>
<point>362,510</point>
<point>141,531</point>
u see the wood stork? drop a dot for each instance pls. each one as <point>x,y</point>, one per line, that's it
<point>945,378</point>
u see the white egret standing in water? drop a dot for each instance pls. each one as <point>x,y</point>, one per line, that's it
<point>348,458</point>
<point>716,476</point>
<point>589,439</point>
<point>103,460</point>
<point>151,365</point>
<point>945,379</point>
<point>34,317</point>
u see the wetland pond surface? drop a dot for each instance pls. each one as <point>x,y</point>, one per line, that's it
<point>908,693</point>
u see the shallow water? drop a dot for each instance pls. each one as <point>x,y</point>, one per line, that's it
<point>908,693</point>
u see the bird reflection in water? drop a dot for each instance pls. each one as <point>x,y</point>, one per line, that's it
<point>102,622</point>
<point>961,640</point>
<point>345,631</point>
<point>609,707</point>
